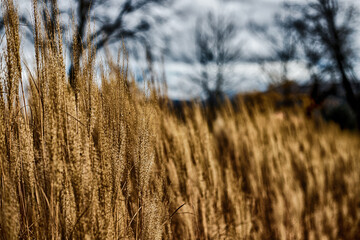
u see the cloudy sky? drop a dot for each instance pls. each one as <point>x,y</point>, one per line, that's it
<point>173,31</point>
<point>248,75</point>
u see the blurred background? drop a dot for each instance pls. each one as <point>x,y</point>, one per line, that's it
<point>212,49</point>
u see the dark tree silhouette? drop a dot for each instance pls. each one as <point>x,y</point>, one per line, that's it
<point>216,51</point>
<point>109,30</point>
<point>282,43</point>
<point>326,29</point>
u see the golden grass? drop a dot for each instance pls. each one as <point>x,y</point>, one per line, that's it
<point>108,161</point>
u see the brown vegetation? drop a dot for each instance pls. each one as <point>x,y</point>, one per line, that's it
<point>109,161</point>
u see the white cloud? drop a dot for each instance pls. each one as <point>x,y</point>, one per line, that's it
<point>176,35</point>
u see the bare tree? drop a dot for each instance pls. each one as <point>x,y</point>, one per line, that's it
<point>216,51</point>
<point>326,29</point>
<point>283,48</point>
<point>109,30</point>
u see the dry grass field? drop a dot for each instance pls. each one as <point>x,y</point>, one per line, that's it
<point>111,161</point>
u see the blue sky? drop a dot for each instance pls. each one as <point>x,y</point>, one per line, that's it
<point>173,38</point>
<point>247,75</point>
